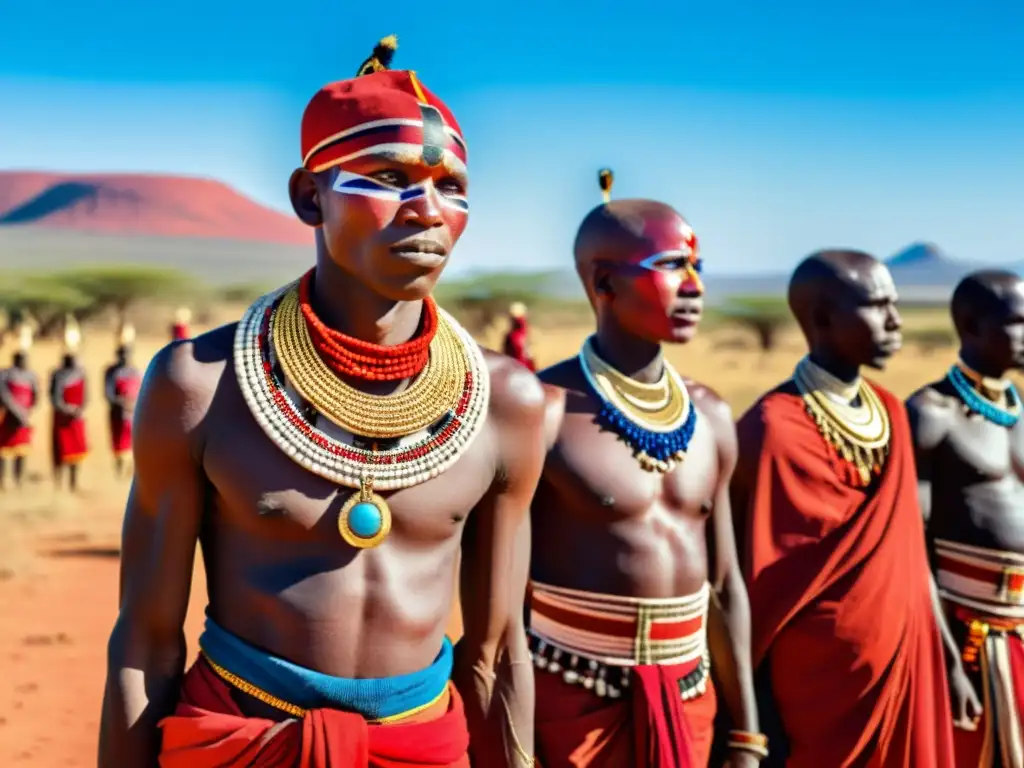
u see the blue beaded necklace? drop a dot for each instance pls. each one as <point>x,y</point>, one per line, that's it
<point>656,450</point>
<point>989,410</point>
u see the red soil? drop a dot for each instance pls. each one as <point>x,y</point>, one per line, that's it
<point>138,204</point>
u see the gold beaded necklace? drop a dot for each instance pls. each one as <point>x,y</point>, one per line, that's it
<point>431,394</point>
<point>858,433</point>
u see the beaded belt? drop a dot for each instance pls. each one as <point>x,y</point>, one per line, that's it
<point>595,639</point>
<point>985,580</point>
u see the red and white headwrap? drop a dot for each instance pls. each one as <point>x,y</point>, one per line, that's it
<point>379,108</point>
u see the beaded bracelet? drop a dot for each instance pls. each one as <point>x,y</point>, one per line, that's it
<point>757,743</point>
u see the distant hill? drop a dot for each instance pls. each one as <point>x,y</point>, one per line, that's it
<point>146,205</point>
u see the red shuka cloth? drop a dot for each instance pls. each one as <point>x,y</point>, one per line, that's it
<point>840,599</point>
<point>179,331</point>
<point>69,440</point>
<point>126,386</point>
<point>515,343</point>
<point>15,437</point>
<point>650,726</point>
<point>207,730</point>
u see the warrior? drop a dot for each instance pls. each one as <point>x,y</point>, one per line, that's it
<point>301,447</point>
<point>970,473</point>
<point>635,590</point>
<point>516,342</point>
<point>19,395</point>
<point>179,329</point>
<point>845,636</point>
<point>69,397</point>
<point>121,387</point>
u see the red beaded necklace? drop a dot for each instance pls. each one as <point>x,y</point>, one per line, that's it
<point>357,359</point>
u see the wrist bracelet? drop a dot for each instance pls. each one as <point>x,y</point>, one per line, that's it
<point>756,743</point>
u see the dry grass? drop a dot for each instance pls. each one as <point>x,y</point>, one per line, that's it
<point>723,358</point>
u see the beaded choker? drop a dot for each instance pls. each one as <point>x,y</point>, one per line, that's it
<point>376,462</point>
<point>965,380</point>
<point>858,433</point>
<point>349,356</point>
<point>655,420</point>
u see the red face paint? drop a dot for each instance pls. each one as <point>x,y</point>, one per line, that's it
<point>659,293</point>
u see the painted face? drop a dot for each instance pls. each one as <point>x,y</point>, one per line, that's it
<point>657,289</point>
<point>866,326</point>
<point>395,210</point>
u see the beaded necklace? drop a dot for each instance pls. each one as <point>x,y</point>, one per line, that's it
<point>349,356</point>
<point>858,433</point>
<point>655,420</point>
<point>961,377</point>
<point>368,465</point>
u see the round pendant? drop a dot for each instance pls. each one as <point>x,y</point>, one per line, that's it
<point>365,518</point>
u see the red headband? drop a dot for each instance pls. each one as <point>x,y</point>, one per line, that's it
<point>384,107</point>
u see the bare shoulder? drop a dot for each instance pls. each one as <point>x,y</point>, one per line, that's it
<point>930,411</point>
<point>517,395</point>
<point>709,403</point>
<point>182,378</point>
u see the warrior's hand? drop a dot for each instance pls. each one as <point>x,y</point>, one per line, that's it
<point>967,707</point>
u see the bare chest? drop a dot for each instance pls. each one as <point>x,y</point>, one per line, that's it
<point>985,450</point>
<point>595,471</point>
<point>270,500</point>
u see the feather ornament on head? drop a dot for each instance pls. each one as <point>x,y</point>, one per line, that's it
<point>25,337</point>
<point>183,315</point>
<point>72,334</point>
<point>606,179</point>
<point>517,309</point>
<point>126,335</point>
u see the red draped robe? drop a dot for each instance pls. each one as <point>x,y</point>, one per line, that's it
<point>207,730</point>
<point>650,727</point>
<point>515,343</point>
<point>126,386</point>
<point>70,445</point>
<point>840,596</point>
<point>15,437</point>
<point>179,331</point>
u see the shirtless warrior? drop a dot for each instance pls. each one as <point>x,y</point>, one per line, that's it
<point>301,448</point>
<point>19,395</point>
<point>631,521</point>
<point>970,465</point>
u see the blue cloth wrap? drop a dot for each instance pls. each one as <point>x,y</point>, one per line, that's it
<point>373,698</point>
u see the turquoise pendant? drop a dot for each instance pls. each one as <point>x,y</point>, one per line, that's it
<point>365,518</point>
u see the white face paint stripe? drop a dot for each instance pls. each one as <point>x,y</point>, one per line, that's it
<point>651,262</point>
<point>347,183</point>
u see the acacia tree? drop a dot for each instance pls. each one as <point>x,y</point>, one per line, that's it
<point>764,315</point>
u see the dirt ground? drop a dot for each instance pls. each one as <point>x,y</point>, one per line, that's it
<point>59,555</point>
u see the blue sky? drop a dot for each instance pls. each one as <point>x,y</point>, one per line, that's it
<point>776,128</point>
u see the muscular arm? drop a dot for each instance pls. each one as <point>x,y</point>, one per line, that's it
<point>146,651</point>
<point>494,572</point>
<point>929,420</point>
<point>729,613</point>
<point>109,383</point>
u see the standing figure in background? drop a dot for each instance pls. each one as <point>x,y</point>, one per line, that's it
<point>970,477</point>
<point>19,394</point>
<point>516,342</point>
<point>69,396</point>
<point>180,330</point>
<point>121,387</point>
<point>636,592</point>
<point>846,630</point>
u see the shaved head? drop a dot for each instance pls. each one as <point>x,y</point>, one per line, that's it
<point>981,294</point>
<point>639,264</point>
<point>845,303</point>
<point>825,276</point>
<point>615,231</point>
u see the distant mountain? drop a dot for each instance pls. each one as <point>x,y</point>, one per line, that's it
<point>147,205</point>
